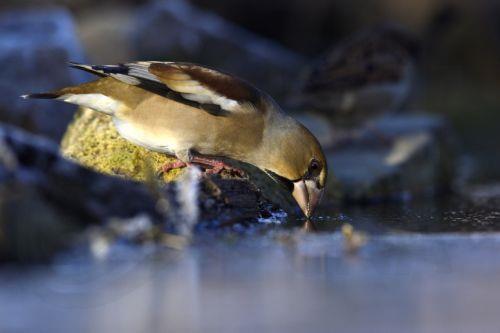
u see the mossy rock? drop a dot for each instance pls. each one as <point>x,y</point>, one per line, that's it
<point>93,141</point>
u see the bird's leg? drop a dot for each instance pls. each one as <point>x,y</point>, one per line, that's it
<point>217,166</point>
<point>182,156</point>
<point>210,165</point>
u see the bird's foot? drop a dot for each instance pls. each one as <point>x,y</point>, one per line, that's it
<point>178,164</point>
<point>216,166</point>
<point>211,166</point>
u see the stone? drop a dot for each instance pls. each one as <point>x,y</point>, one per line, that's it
<point>398,157</point>
<point>483,194</point>
<point>44,198</point>
<point>177,31</point>
<point>35,47</point>
<point>35,162</point>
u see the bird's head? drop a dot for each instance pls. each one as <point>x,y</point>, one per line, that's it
<point>300,164</point>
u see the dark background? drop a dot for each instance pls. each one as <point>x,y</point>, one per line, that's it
<point>460,65</point>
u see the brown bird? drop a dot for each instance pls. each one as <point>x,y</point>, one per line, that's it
<point>364,76</point>
<point>200,115</point>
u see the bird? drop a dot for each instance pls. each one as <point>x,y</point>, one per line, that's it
<point>364,76</point>
<point>202,116</point>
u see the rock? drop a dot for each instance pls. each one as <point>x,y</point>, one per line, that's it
<point>177,31</point>
<point>35,47</point>
<point>483,194</point>
<point>397,157</point>
<point>31,229</point>
<point>92,197</point>
<point>415,157</point>
<point>45,199</point>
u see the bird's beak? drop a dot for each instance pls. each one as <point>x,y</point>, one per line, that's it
<point>307,195</point>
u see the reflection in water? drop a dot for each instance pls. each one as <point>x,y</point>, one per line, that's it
<point>309,226</point>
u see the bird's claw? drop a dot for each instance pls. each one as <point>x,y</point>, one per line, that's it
<point>217,169</point>
<point>211,167</point>
<point>173,165</point>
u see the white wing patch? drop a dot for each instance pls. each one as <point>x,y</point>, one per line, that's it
<point>98,102</point>
<point>212,98</point>
<point>191,89</point>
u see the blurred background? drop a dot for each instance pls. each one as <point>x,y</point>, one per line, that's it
<point>458,70</point>
<point>269,43</point>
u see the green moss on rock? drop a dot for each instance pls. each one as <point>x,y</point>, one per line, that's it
<point>93,141</point>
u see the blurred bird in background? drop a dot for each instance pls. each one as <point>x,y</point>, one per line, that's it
<point>364,76</point>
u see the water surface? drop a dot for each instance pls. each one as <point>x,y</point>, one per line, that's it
<point>413,275</point>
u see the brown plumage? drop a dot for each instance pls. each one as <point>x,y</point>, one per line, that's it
<point>363,76</point>
<point>191,111</point>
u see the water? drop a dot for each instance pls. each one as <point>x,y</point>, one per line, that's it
<point>446,215</point>
<point>425,268</point>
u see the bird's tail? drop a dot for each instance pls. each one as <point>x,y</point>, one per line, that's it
<point>41,96</point>
<point>90,95</point>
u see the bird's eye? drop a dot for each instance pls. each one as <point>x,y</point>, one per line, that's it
<point>314,167</point>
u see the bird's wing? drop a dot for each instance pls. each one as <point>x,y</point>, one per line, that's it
<point>185,82</point>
